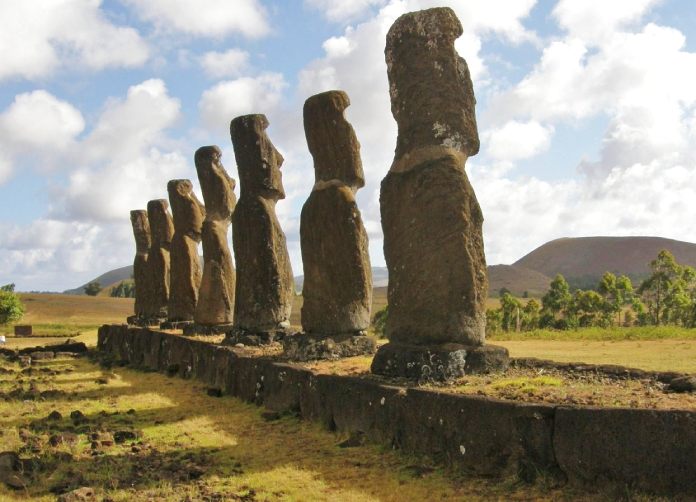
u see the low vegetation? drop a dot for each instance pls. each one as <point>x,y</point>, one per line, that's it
<point>11,306</point>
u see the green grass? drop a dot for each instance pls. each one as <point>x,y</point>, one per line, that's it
<point>528,384</point>
<point>61,329</point>
<point>601,334</point>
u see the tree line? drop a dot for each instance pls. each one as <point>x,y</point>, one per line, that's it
<point>667,296</point>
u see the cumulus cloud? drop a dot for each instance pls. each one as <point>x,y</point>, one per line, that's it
<point>204,18</point>
<point>126,159</point>
<point>34,42</point>
<point>340,10</point>
<point>231,63</point>
<point>597,20</point>
<point>39,120</point>
<point>231,98</point>
<point>39,127</point>
<point>517,140</point>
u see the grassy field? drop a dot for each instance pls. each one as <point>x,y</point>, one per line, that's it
<point>180,444</point>
<point>70,315</point>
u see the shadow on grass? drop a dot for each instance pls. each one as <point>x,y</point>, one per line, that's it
<point>221,447</point>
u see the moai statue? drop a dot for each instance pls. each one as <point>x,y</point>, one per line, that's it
<point>185,272</point>
<point>141,232</point>
<point>265,286</point>
<point>432,222</point>
<point>215,308</point>
<point>337,287</point>
<point>158,262</point>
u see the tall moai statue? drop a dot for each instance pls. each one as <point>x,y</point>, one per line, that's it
<point>185,272</point>
<point>141,232</point>
<point>215,308</point>
<point>158,262</point>
<point>337,288</point>
<point>432,222</point>
<point>265,286</point>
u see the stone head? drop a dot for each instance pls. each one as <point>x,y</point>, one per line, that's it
<point>161,224</point>
<point>332,140</point>
<point>258,161</point>
<point>141,230</point>
<point>216,184</point>
<point>187,210</point>
<point>432,97</point>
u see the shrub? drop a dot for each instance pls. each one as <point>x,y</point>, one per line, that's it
<point>11,307</point>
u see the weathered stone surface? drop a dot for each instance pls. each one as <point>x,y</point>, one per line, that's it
<point>337,287</point>
<point>432,222</point>
<point>265,288</point>
<point>307,346</point>
<point>158,261</point>
<point>143,284</point>
<point>683,384</point>
<point>644,449</point>
<point>23,329</point>
<point>185,276</point>
<point>441,362</point>
<point>216,294</point>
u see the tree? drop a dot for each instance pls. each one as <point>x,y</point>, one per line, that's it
<point>530,315</point>
<point>11,307</point>
<point>556,302</point>
<point>616,292</point>
<point>588,309</point>
<point>663,290</point>
<point>494,321</point>
<point>510,310</point>
<point>379,321</point>
<point>93,288</point>
<point>502,291</point>
<point>8,287</point>
<point>124,289</point>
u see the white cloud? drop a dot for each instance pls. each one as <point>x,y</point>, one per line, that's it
<point>36,39</point>
<point>230,63</point>
<point>39,120</point>
<point>37,125</point>
<point>205,18</point>
<point>596,20</point>
<point>229,99</point>
<point>517,140</point>
<point>340,10</point>
<point>126,159</point>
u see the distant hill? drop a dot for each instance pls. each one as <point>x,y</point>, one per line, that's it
<point>583,260</point>
<point>517,280</point>
<point>109,278</point>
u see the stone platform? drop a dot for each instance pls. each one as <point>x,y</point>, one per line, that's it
<point>200,329</point>
<point>308,347</point>
<point>614,448</point>
<point>439,363</point>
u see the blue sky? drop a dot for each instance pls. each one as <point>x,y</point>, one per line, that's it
<point>586,113</point>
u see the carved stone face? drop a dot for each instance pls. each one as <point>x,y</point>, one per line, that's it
<point>332,140</point>
<point>216,184</point>
<point>258,161</point>
<point>161,224</point>
<point>432,97</point>
<point>141,230</point>
<point>187,209</point>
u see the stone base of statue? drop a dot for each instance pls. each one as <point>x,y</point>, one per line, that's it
<point>255,338</point>
<point>144,322</point>
<point>440,363</point>
<point>176,324</point>
<point>310,346</point>
<point>201,329</point>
